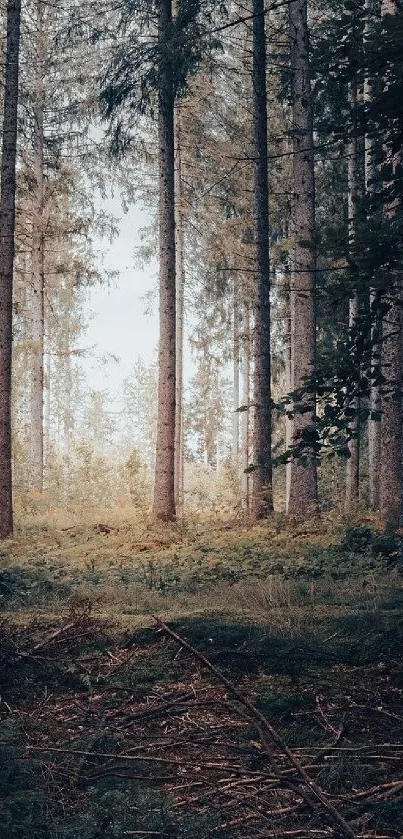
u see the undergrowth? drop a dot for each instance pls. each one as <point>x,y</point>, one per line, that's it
<point>306,621</point>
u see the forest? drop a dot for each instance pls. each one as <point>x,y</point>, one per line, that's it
<point>201,556</point>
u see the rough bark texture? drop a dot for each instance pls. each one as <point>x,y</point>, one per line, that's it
<point>288,389</point>
<point>353,463</point>
<point>391,423</point>
<point>303,480</point>
<point>38,280</point>
<point>180,313</point>
<point>262,490</point>
<point>7,226</point>
<point>374,426</point>
<point>236,390</point>
<point>164,488</point>
<point>244,420</point>
<point>391,367</point>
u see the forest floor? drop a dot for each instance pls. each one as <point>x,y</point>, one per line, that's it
<point>110,726</point>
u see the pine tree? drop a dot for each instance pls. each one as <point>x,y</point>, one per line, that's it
<point>7,229</point>
<point>262,489</point>
<point>391,355</point>
<point>303,481</point>
<point>164,490</point>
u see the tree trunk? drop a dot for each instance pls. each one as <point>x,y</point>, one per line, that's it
<point>7,227</point>
<point>164,488</point>
<point>236,391</point>
<point>391,368</point>
<point>288,389</point>
<point>353,462</point>
<point>180,313</point>
<point>48,407</point>
<point>374,426</point>
<point>67,421</point>
<point>37,295</point>
<point>262,485</point>
<point>245,370</point>
<point>303,480</point>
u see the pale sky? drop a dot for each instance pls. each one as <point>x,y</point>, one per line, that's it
<point>119,324</point>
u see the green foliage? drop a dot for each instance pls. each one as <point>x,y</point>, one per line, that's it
<point>29,587</point>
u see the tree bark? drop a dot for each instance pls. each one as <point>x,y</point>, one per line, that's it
<point>391,361</point>
<point>164,487</point>
<point>374,426</point>
<point>353,462</point>
<point>7,228</point>
<point>38,278</point>
<point>262,484</point>
<point>244,420</point>
<point>303,479</point>
<point>288,389</point>
<point>391,368</point>
<point>180,313</point>
<point>236,382</point>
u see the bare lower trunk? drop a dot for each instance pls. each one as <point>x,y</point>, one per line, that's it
<point>353,462</point>
<point>303,480</point>
<point>48,408</point>
<point>180,312</point>
<point>37,296</point>
<point>7,227</point>
<point>288,388</point>
<point>391,423</point>
<point>245,436</point>
<point>236,391</point>
<point>262,485</point>
<point>375,404</point>
<point>164,487</point>
<point>66,422</point>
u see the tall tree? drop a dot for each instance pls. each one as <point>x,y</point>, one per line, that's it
<point>7,228</point>
<point>37,308</point>
<point>303,480</point>
<point>164,490</point>
<point>262,486</point>
<point>374,426</point>
<point>391,348</point>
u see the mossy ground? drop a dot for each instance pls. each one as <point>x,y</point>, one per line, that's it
<point>306,620</point>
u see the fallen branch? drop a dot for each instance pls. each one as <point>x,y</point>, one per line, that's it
<point>264,724</point>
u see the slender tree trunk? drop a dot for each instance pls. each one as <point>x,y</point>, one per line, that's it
<point>38,279</point>
<point>353,462</point>
<point>48,406</point>
<point>374,426</point>
<point>303,480</point>
<point>236,390</point>
<point>245,437</point>
<point>67,421</point>
<point>262,485</point>
<point>7,227</point>
<point>288,389</point>
<point>180,313</point>
<point>391,368</point>
<point>164,488</point>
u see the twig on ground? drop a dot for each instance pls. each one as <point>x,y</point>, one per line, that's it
<point>267,727</point>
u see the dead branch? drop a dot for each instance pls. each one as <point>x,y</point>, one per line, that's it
<point>267,727</point>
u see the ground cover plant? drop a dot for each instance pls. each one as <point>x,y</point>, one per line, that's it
<point>112,727</point>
